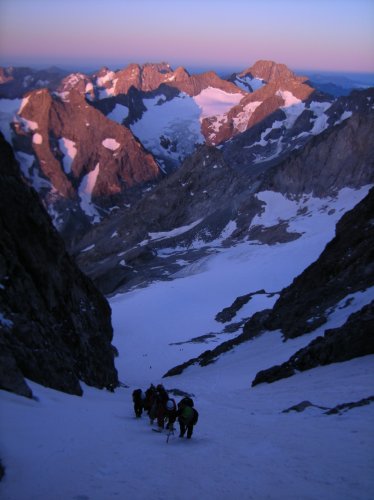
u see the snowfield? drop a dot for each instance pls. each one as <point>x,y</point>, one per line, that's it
<point>59,447</point>
<point>176,120</point>
<point>214,101</point>
<point>171,129</point>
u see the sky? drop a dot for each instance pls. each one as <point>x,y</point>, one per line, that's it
<point>329,35</point>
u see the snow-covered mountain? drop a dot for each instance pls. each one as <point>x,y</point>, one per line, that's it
<point>167,107</point>
<point>76,151</point>
<point>291,127</point>
<point>342,273</point>
<point>80,162</point>
<point>223,262</point>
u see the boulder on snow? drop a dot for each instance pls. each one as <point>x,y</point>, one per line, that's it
<point>303,405</point>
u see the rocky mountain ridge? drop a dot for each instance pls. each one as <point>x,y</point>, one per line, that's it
<point>98,142</point>
<point>82,163</point>
<point>278,88</point>
<point>55,327</point>
<point>145,77</point>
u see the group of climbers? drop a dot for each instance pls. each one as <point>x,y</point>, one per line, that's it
<point>159,406</point>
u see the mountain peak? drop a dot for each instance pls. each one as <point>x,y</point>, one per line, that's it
<point>161,67</point>
<point>269,71</point>
<point>181,73</point>
<point>102,71</point>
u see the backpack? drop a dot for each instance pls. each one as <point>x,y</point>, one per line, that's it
<point>137,395</point>
<point>187,415</point>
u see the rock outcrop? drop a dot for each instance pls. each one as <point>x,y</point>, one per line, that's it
<point>354,339</point>
<point>55,327</point>
<point>254,327</point>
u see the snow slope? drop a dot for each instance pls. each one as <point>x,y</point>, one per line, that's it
<point>176,120</point>
<point>65,447</point>
<point>214,101</point>
<point>8,113</point>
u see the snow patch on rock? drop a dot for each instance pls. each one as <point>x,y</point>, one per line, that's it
<point>85,191</point>
<point>241,119</point>
<point>293,107</point>
<point>69,149</point>
<point>111,144</point>
<point>37,139</point>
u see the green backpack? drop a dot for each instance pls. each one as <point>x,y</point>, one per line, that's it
<point>187,415</point>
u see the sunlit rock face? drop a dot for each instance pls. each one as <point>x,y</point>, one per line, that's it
<point>77,159</point>
<point>270,87</point>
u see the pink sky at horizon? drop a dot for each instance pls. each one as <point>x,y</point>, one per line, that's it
<point>330,35</point>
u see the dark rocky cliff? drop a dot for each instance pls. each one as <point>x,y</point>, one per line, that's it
<point>55,327</point>
<point>339,157</point>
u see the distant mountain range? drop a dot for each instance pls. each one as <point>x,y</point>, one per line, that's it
<point>91,144</point>
<point>338,84</point>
